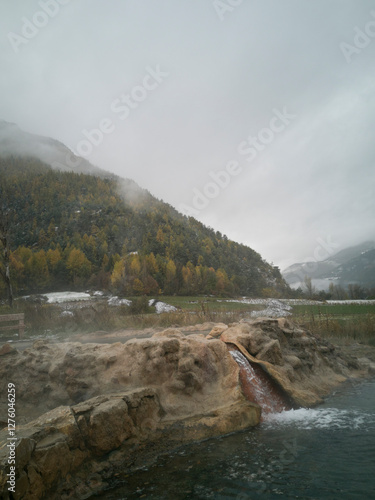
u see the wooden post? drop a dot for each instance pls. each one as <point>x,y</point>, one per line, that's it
<point>20,326</point>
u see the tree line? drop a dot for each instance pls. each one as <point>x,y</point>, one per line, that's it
<point>75,230</point>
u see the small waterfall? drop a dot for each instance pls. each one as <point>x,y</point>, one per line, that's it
<point>257,385</point>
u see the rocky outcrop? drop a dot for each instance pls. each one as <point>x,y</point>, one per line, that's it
<point>71,451</point>
<point>107,401</point>
<point>87,411</point>
<point>305,367</point>
<point>192,375</point>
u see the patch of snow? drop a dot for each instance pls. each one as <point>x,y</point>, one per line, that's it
<point>59,297</point>
<point>115,301</point>
<point>98,293</point>
<point>66,313</point>
<point>348,302</point>
<point>246,300</point>
<point>275,309</point>
<point>161,307</point>
<point>301,302</point>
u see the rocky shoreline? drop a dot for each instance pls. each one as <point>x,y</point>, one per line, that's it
<point>87,411</point>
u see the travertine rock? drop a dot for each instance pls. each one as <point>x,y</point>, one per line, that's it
<point>167,389</point>
<point>104,402</point>
<point>305,368</point>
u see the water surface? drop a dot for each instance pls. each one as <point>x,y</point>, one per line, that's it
<point>323,453</point>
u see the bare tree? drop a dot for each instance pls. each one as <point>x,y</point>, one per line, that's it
<point>310,289</point>
<point>4,243</point>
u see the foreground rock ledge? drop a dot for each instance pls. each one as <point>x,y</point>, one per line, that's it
<point>113,407</point>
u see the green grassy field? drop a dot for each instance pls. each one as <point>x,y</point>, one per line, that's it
<point>210,303</point>
<point>49,319</point>
<point>336,310</point>
<point>340,323</point>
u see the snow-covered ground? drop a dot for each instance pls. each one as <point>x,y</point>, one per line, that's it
<point>246,300</point>
<point>281,307</point>
<point>365,302</point>
<point>60,297</point>
<point>274,308</point>
<point>306,302</point>
<point>301,302</point>
<point>115,301</point>
<point>68,297</point>
<point>66,314</point>
<point>161,307</point>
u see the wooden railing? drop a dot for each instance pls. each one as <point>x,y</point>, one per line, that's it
<point>8,318</point>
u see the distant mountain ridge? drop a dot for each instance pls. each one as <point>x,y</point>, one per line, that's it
<point>359,270</point>
<point>352,265</point>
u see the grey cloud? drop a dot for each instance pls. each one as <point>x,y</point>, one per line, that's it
<point>315,179</point>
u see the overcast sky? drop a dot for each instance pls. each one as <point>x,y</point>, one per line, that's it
<point>279,94</point>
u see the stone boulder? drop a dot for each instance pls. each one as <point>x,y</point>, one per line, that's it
<point>179,366</point>
<point>106,400</point>
<point>70,451</point>
<point>217,330</point>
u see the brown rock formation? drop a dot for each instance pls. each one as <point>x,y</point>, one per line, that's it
<point>114,406</point>
<point>165,391</point>
<point>302,365</point>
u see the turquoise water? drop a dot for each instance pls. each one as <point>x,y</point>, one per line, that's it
<point>322,453</point>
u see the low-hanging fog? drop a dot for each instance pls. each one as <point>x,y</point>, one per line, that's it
<point>255,117</point>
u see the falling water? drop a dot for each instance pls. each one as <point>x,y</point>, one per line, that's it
<point>257,386</point>
<point>325,453</point>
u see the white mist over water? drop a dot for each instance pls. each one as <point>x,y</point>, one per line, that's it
<point>321,418</point>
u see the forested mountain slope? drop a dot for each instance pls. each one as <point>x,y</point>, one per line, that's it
<point>75,230</point>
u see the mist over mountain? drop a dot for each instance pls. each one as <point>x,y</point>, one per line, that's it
<point>16,142</point>
<point>180,109</point>
<point>85,228</point>
<point>352,265</point>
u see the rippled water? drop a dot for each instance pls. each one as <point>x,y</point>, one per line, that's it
<point>322,453</point>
